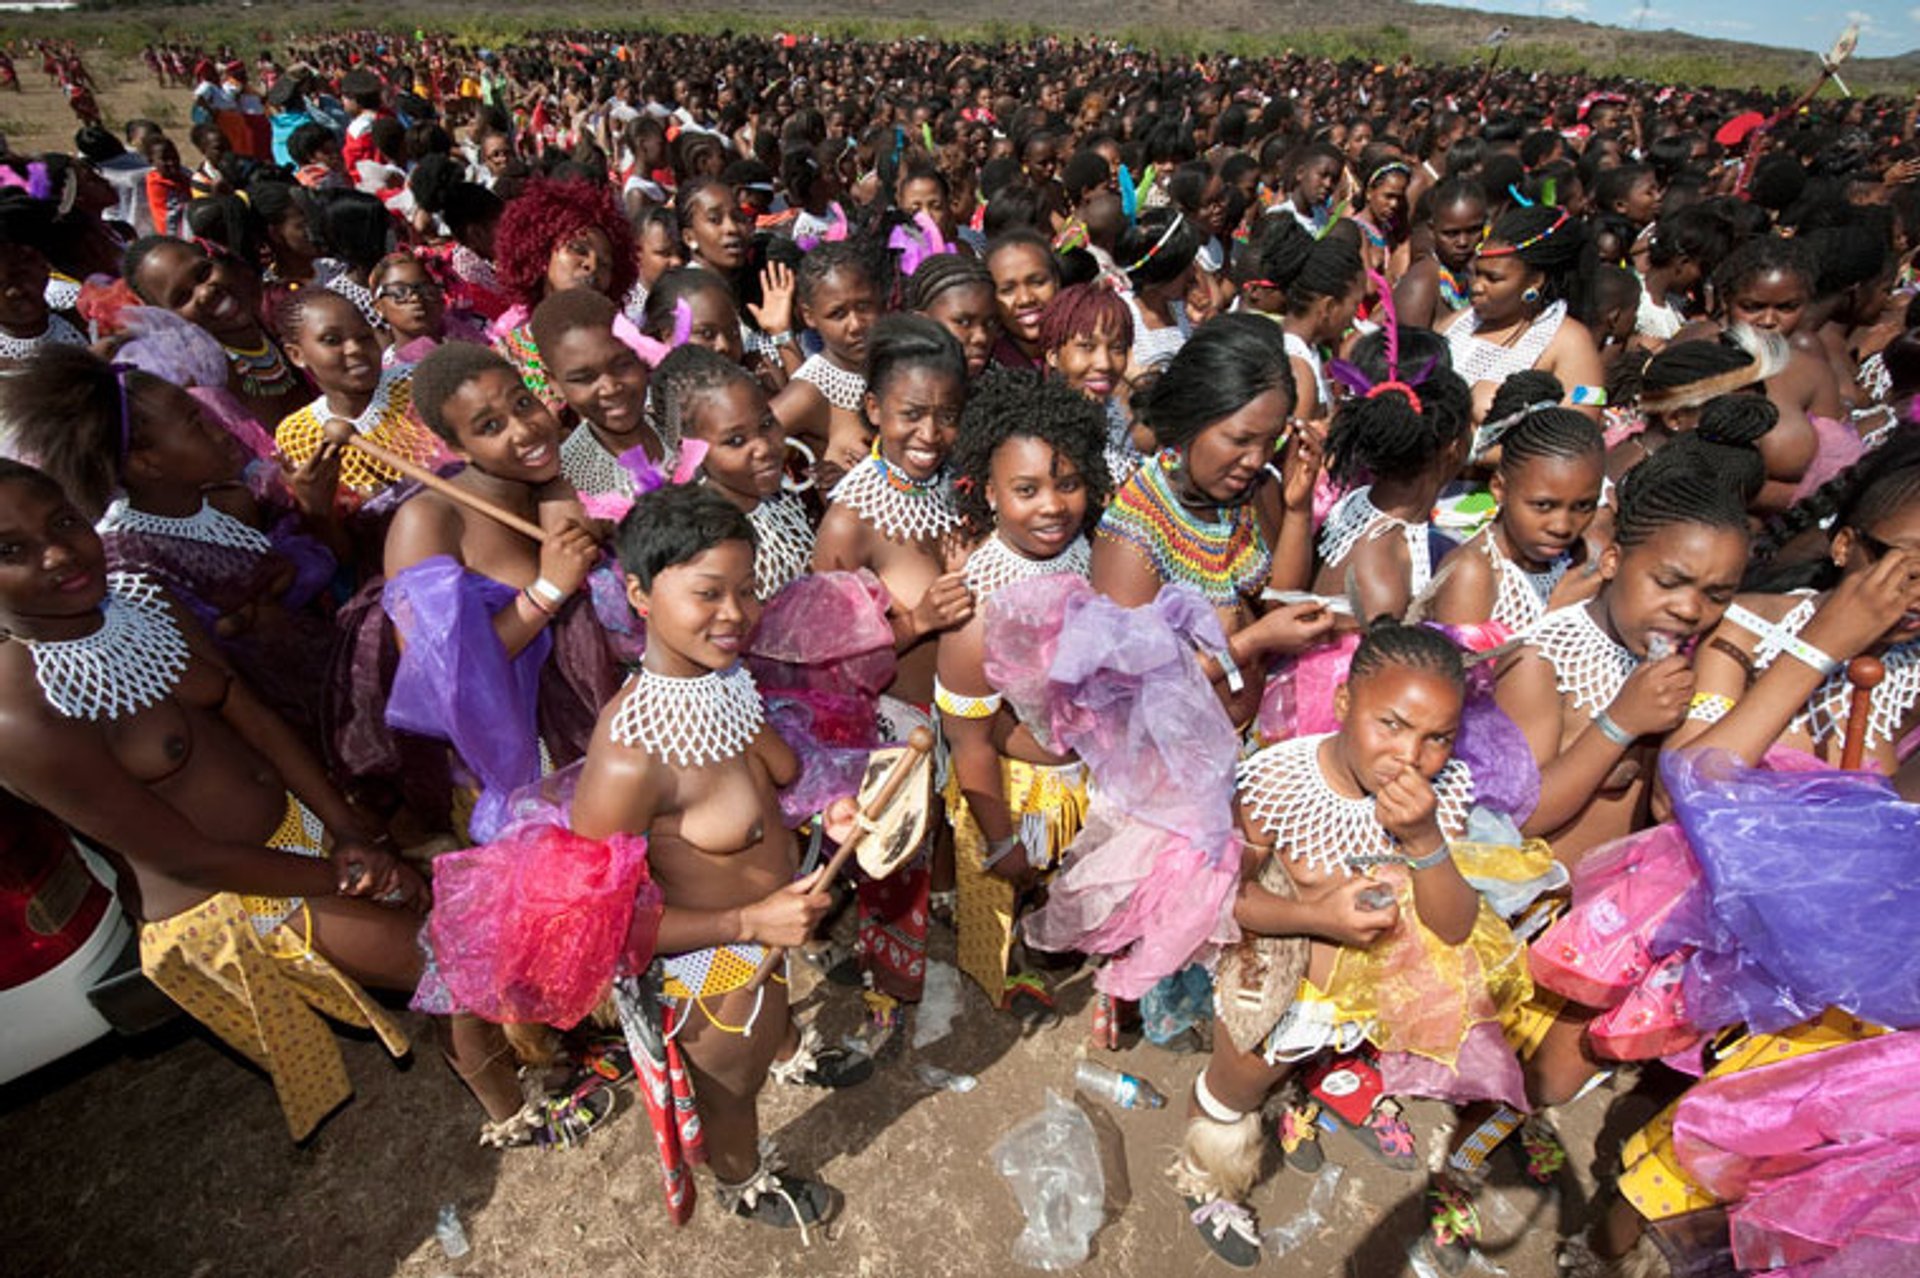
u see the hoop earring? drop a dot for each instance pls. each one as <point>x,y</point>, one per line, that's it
<point>1530,296</point>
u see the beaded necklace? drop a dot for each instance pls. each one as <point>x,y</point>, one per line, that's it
<point>1456,293</point>
<point>132,661</point>
<point>57,333</point>
<point>901,507</point>
<point>995,564</point>
<point>1286,792</point>
<point>1223,558</point>
<point>842,389</point>
<point>263,373</point>
<point>1588,665</point>
<point>207,525</point>
<point>689,722</point>
<point>1521,597</point>
<point>782,543</point>
<point>1824,715</point>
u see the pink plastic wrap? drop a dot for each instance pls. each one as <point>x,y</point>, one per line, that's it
<point>534,926</point>
<point>1652,1020</point>
<point>1819,1157</point>
<point>1622,892</point>
<point>826,630</point>
<point>1485,1069</point>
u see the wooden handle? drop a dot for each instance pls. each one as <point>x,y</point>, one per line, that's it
<point>342,432</point>
<point>1865,674</point>
<point>919,742</point>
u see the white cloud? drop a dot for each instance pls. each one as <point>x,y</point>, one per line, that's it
<point>1861,18</point>
<point>1913,16</point>
<point>1569,8</point>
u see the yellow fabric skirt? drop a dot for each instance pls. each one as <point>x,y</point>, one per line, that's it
<point>263,996</point>
<point>1652,1178</point>
<point>1049,805</point>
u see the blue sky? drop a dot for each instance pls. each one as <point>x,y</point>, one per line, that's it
<point>1886,26</point>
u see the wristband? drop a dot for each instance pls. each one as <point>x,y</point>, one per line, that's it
<point>780,339</point>
<point>1440,854</point>
<point>997,849</point>
<point>1236,682</point>
<point>1613,731</point>
<point>544,591</point>
<point>1802,651</point>
<point>538,606</point>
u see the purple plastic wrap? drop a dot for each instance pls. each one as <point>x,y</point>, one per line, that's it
<point>1151,877</point>
<point>533,926</point>
<point>828,631</point>
<point>1812,896</point>
<point>1485,1069</point>
<point>454,681</point>
<point>1818,1157</point>
<point>831,764</point>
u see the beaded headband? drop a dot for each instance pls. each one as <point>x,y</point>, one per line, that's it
<point>1158,244</point>
<point>1388,169</point>
<point>1523,245</point>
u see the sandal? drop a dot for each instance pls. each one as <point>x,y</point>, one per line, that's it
<point>1028,999</point>
<point>817,1064</point>
<point>943,906</point>
<point>1228,1230</point>
<point>1386,1136</point>
<point>1300,1137</point>
<point>773,1197</point>
<point>554,1121</point>
<point>1546,1157</point>
<point>1453,1226</point>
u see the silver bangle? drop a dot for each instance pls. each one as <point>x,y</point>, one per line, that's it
<point>997,849</point>
<point>1440,854</point>
<point>1236,682</point>
<point>1613,731</point>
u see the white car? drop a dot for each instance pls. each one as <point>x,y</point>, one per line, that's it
<point>62,934</point>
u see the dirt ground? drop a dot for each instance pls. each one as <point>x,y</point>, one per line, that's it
<point>38,118</point>
<point>166,1157</point>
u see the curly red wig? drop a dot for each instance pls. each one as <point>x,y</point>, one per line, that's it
<point>545,213</point>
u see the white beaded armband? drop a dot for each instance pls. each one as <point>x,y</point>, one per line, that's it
<point>1708,707</point>
<point>964,707</point>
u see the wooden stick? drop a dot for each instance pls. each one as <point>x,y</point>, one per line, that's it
<point>1865,674</point>
<point>919,742</point>
<point>342,432</point>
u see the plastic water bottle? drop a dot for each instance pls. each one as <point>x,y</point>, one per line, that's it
<point>1124,1090</point>
<point>452,1236</point>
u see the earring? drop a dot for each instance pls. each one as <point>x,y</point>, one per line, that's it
<point>1531,296</point>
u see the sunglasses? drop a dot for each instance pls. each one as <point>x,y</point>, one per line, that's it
<point>407,292</point>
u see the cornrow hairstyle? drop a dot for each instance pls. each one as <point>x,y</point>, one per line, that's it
<point>1555,253</point>
<point>1528,386</point>
<point>1081,310</point>
<point>659,215</point>
<point>543,215</point>
<point>1873,489</point>
<point>942,273</point>
<point>572,308</point>
<point>1389,642</point>
<point>60,408</point>
<point>1725,442</point>
<point>687,375</point>
<point>439,377</point>
<point>902,341</point>
<point>1385,435</point>
<point>1688,374</point>
<point>1544,429</point>
<point>672,525</point>
<point>824,260</point>
<point>1022,404</point>
<point>290,310</point>
<point>1652,497</point>
<point>680,282</point>
<point>1763,256</point>
<point>1328,269</point>
<point>1229,361</point>
<point>1158,247</point>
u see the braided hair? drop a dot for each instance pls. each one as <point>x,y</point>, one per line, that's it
<point>1388,642</point>
<point>1022,404</point>
<point>1157,248</point>
<point>901,341</point>
<point>1387,435</point>
<point>824,259</point>
<point>688,374</point>
<point>1653,497</point>
<point>1725,443</point>
<point>1873,489</point>
<point>1328,268</point>
<point>943,273</point>
<point>1083,310</point>
<point>1555,246</point>
<point>1542,432</point>
<point>290,310</point>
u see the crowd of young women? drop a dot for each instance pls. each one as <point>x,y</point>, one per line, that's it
<point>1380,549</point>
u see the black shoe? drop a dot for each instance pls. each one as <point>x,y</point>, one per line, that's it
<point>1228,1230</point>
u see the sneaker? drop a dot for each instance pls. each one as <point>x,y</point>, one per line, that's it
<point>780,1200</point>
<point>1300,1137</point>
<point>817,1064</point>
<point>1228,1230</point>
<point>1387,1137</point>
<point>552,1122</point>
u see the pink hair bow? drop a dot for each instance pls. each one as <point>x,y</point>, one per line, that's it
<point>648,349</point>
<point>917,248</point>
<point>37,182</point>
<point>647,476</point>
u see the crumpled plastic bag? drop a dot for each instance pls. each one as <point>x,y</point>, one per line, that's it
<point>1052,1163</point>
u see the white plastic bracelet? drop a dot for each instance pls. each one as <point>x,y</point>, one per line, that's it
<point>547,592</point>
<point>1800,650</point>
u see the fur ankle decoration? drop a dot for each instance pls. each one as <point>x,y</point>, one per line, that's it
<point>1218,1160</point>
